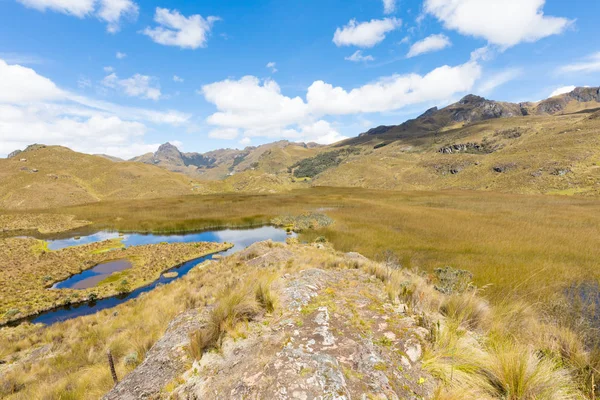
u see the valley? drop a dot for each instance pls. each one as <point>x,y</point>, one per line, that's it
<point>470,230</point>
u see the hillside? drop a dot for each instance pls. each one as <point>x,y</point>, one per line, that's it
<point>49,176</point>
<point>271,158</point>
<point>545,147</point>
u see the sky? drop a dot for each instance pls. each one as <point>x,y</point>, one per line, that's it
<point>120,77</point>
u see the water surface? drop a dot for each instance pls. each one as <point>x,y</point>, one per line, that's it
<point>93,276</point>
<point>240,238</point>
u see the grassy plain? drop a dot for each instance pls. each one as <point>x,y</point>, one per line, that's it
<point>524,250</point>
<point>521,245</point>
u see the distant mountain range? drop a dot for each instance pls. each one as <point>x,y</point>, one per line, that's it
<point>551,146</point>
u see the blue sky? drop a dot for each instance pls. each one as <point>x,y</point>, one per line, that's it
<point>122,76</point>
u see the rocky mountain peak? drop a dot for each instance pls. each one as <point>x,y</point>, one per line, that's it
<point>472,99</point>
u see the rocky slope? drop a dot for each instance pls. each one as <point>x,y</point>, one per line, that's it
<point>334,334</point>
<point>473,108</point>
<point>270,158</point>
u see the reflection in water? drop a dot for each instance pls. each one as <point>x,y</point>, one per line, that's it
<point>240,238</point>
<point>91,277</point>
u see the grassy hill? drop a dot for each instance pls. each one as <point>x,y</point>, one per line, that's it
<point>49,176</point>
<point>528,154</point>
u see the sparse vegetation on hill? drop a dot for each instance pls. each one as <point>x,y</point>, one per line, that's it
<point>311,167</point>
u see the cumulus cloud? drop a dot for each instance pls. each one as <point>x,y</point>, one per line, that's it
<point>178,30</point>
<point>429,44</point>
<point>178,79</point>
<point>365,34</point>
<point>120,55</point>
<point>499,79</point>
<point>21,84</point>
<point>110,11</point>
<point>394,92</point>
<point>589,64</point>
<point>272,66</point>
<point>143,86</point>
<point>562,90</point>
<point>501,22</point>
<point>358,56</point>
<point>389,6</point>
<point>34,110</point>
<point>257,108</point>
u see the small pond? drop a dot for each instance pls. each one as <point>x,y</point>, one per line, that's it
<point>93,276</point>
<point>241,238</point>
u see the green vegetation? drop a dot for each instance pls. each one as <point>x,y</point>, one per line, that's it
<point>311,167</point>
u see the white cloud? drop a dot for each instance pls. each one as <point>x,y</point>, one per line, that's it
<point>177,30</point>
<point>138,85</point>
<point>320,132</point>
<point>257,108</point>
<point>357,56</point>
<point>589,64</point>
<point>111,11</point>
<point>21,84</point>
<point>108,69</point>
<point>394,92</point>
<point>34,110</point>
<point>77,8</point>
<point>225,133</point>
<point>178,79</point>
<point>499,79</point>
<point>562,90</point>
<point>120,55</point>
<point>272,66</point>
<point>429,44</point>
<point>250,103</point>
<point>389,6</point>
<point>502,22</point>
<point>365,34</point>
<point>245,141</point>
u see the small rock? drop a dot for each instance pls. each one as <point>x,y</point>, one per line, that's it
<point>413,350</point>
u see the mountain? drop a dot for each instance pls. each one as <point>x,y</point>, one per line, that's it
<point>54,176</point>
<point>271,158</point>
<point>551,147</point>
<point>472,108</point>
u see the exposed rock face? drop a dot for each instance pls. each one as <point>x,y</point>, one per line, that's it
<point>334,335</point>
<point>377,131</point>
<point>14,154</point>
<point>169,155</point>
<point>477,108</point>
<point>460,148</point>
<point>165,361</point>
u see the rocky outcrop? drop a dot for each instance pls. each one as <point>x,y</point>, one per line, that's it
<point>334,335</point>
<point>461,148</point>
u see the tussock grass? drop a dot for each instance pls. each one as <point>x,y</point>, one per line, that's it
<point>467,310</point>
<point>236,305</point>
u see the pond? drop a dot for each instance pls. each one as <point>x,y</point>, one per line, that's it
<point>93,276</point>
<point>240,238</point>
